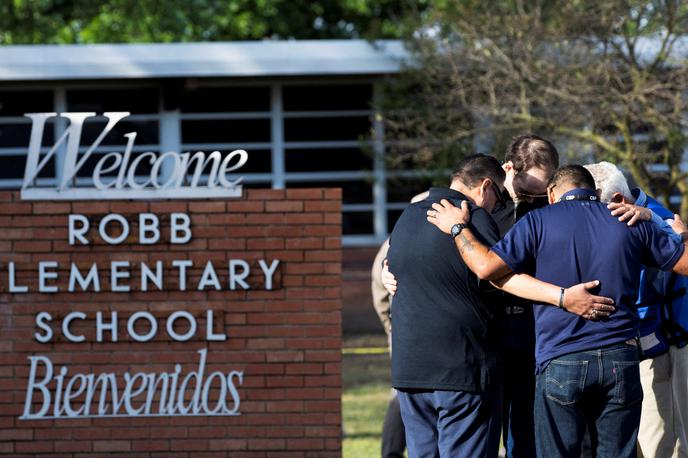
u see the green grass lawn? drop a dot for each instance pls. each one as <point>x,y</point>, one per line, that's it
<point>366,376</point>
<point>364,410</point>
<point>367,390</point>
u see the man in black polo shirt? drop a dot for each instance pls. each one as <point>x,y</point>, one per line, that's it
<point>444,357</point>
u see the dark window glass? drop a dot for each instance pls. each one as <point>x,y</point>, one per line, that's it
<point>392,217</point>
<point>353,192</point>
<point>320,159</point>
<point>146,132</point>
<point>229,131</point>
<point>356,223</point>
<point>48,170</point>
<point>16,103</point>
<point>225,99</point>
<point>259,161</point>
<point>14,135</point>
<point>262,185</point>
<point>143,168</point>
<point>133,100</point>
<point>403,189</point>
<point>13,167</point>
<point>340,97</point>
<point>314,129</point>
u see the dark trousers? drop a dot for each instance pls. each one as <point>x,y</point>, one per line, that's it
<point>518,383</point>
<point>518,398</point>
<point>599,388</point>
<point>393,434</point>
<point>446,423</point>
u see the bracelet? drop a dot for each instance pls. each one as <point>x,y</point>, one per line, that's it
<point>561,299</point>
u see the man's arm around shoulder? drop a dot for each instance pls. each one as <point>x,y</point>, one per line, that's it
<point>478,257</point>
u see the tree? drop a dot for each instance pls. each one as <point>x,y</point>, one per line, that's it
<point>126,21</point>
<point>607,79</point>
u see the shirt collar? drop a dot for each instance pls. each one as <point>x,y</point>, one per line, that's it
<point>437,193</point>
<point>577,192</point>
<point>640,197</point>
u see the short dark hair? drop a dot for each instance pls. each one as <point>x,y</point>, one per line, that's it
<point>472,169</point>
<point>527,151</point>
<point>575,175</point>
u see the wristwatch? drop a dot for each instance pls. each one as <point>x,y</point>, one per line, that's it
<point>457,228</point>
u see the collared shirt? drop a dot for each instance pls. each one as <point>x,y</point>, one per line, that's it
<point>513,211</point>
<point>442,336</point>
<point>643,200</point>
<point>576,241</point>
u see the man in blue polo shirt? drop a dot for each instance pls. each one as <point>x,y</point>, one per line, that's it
<point>587,369</point>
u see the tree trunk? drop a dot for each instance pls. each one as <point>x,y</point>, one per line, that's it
<point>683,187</point>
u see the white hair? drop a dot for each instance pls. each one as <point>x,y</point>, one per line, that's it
<point>609,180</point>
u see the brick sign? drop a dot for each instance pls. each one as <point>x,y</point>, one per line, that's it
<point>186,328</point>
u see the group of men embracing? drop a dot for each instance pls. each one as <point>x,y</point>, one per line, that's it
<point>515,312</point>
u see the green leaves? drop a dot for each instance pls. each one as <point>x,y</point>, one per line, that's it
<point>127,21</point>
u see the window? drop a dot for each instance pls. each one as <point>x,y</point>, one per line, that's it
<point>226,131</point>
<point>327,143</point>
<point>326,129</point>
<point>327,159</point>
<point>328,97</point>
<point>225,99</point>
<point>16,103</point>
<point>15,132</point>
<point>133,100</point>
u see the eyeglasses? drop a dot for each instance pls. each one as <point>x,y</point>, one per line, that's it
<point>501,202</point>
<point>530,196</point>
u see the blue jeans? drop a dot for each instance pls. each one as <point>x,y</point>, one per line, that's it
<point>445,423</point>
<point>600,388</point>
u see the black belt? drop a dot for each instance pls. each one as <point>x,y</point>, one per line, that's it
<point>514,310</point>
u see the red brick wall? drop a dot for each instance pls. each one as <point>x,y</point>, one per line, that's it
<point>287,341</point>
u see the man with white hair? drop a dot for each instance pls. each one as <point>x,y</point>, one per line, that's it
<point>664,373</point>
